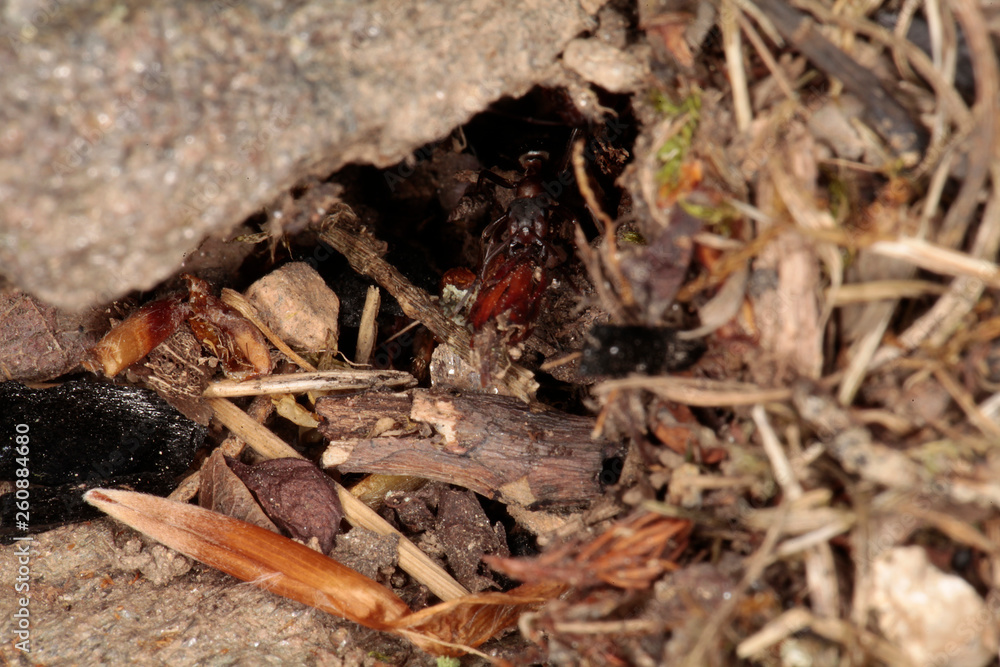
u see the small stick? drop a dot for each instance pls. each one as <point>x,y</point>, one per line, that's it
<point>411,558</point>
<point>732,46</point>
<point>579,170</point>
<point>696,391</point>
<point>263,441</point>
<point>300,383</point>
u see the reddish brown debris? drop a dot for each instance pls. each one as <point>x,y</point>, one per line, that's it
<point>632,555</point>
<point>134,338</point>
<point>238,344</point>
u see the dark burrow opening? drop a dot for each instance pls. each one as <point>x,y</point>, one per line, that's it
<point>431,209</point>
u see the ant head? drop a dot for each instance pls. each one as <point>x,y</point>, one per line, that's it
<point>527,220</point>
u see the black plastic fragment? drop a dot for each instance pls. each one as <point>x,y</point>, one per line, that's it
<point>616,351</point>
<point>83,435</point>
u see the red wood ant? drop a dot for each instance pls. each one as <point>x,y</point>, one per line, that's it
<point>519,254</point>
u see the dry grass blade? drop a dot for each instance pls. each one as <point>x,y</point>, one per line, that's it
<point>693,391</point>
<point>297,383</point>
<point>468,622</point>
<point>820,569</point>
<point>264,442</point>
<point>879,290</point>
<point>732,46</point>
<point>368,329</point>
<point>411,559</point>
<point>944,318</point>
<point>938,259</point>
<point>579,170</point>
<point>798,619</point>
<point>255,555</point>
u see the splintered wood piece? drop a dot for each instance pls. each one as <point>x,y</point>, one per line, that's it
<point>362,253</point>
<point>357,416</point>
<point>494,445</point>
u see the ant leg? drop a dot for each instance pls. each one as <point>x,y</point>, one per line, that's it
<point>487,175</point>
<point>491,248</point>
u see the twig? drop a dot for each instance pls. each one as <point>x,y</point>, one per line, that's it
<point>702,393</point>
<point>731,44</point>
<point>411,558</point>
<point>299,383</point>
<point>939,259</point>
<point>878,290</point>
<point>765,54</point>
<point>262,440</point>
<point>579,170</point>
<point>984,112</point>
<point>966,401</point>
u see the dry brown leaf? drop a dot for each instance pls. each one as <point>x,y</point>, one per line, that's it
<point>222,491</point>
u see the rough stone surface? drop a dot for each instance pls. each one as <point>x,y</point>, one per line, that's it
<point>131,132</point>
<point>296,304</point>
<point>605,65</point>
<point>102,595</point>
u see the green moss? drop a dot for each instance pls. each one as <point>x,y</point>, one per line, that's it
<point>673,152</point>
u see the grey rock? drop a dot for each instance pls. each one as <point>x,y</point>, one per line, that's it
<point>130,132</point>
